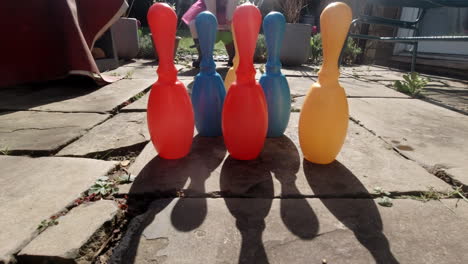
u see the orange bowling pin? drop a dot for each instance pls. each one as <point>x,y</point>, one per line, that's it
<point>170,115</point>
<point>231,75</point>
<point>323,122</point>
<point>245,112</point>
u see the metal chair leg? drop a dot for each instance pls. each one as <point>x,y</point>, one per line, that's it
<point>415,54</point>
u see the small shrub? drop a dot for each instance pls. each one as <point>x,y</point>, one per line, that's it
<point>146,47</point>
<point>413,84</point>
<point>103,187</point>
<point>316,52</point>
<point>350,52</point>
<point>260,50</point>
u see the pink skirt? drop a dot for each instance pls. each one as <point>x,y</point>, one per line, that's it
<point>200,6</point>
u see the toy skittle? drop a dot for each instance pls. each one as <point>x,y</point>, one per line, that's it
<point>170,114</point>
<point>231,75</point>
<point>324,116</point>
<point>208,90</point>
<point>245,113</point>
<point>274,83</point>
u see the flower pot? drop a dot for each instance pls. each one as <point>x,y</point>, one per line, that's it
<point>125,34</point>
<point>176,46</point>
<point>296,44</point>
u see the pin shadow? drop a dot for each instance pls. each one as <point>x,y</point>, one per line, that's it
<point>249,213</point>
<point>206,155</point>
<point>283,160</point>
<point>360,216</point>
<point>162,178</point>
<point>252,181</point>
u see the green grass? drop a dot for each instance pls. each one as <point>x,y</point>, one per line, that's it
<point>187,41</point>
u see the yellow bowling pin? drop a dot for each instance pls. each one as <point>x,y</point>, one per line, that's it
<point>323,122</point>
<point>231,75</point>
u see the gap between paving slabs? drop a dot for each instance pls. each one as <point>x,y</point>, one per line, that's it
<point>98,205</point>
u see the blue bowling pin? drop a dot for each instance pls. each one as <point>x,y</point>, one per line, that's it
<point>208,90</point>
<point>273,82</point>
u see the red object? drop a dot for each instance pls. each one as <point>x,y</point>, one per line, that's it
<point>314,30</point>
<point>170,115</point>
<point>245,113</point>
<point>46,40</point>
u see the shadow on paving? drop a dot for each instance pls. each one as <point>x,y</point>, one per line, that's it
<point>27,96</point>
<point>281,159</point>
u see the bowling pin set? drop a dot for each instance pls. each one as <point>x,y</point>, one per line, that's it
<point>250,111</point>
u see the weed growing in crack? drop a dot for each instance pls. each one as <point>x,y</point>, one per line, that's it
<point>46,223</point>
<point>103,187</point>
<point>380,191</point>
<point>384,199</point>
<point>413,84</point>
<point>129,74</point>
<point>125,178</point>
<point>138,96</point>
<point>433,195</point>
<point>4,151</point>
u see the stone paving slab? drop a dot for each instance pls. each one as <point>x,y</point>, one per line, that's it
<point>124,130</point>
<point>353,87</point>
<point>141,104</point>
<point>43,131</point>
<point>72,99</point>
<point>296,231</point>
<point>135,72</point>
<point>34,189</point>
<point>68,240</point>
<point>301,71</point>
<point>428,134</point>
<point>139,63</point>
<point>365,163</point>
<point>450,94</point>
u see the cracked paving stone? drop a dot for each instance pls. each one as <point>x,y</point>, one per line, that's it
<point>62,98</point>
<point>141,104</point>
<point>252,231</point>
<point>353,88</point>
<point>43,131</point>
<point>365,162</point>
<point>135,72</point>
<point>431,135</point>
<point>125,130</point>
<point>80,231</point>
<point>34,189</point>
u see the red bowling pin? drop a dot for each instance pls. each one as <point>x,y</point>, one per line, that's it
<point>245,112</point>
<point>170,115</point>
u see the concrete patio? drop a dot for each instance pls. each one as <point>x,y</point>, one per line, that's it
<point>57,139</point>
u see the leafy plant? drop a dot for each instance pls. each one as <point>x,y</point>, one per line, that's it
<point>46,223</point>
<point>316,52</point>
<point>4,151</point>
<point>260,50</point>
<point>103,186</point>
<point>381,191</point>
<point>413,84</point>
<point>146,47</point>
<point>385,201</point>
<point>351,51</point>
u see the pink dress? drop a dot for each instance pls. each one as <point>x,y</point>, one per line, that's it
<point>200,6</point>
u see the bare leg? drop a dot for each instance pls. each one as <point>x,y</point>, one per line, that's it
<point>193,29</point>
<point>193,32</point>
